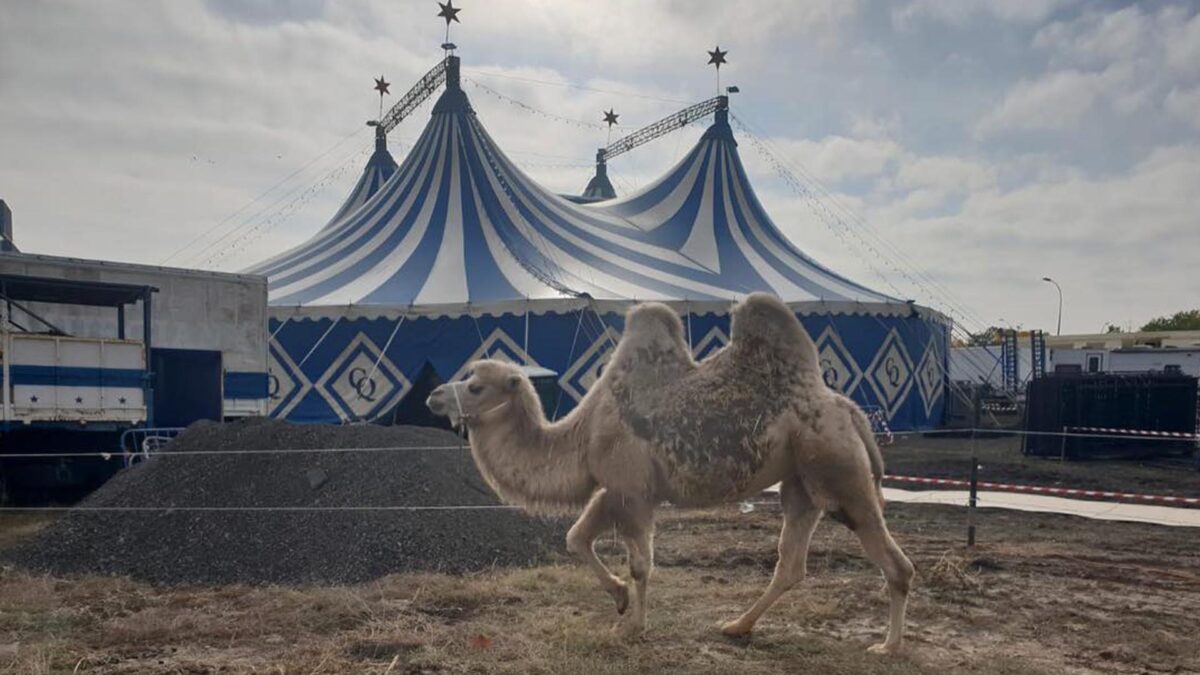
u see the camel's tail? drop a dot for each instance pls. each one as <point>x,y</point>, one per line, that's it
<point>863,425</point>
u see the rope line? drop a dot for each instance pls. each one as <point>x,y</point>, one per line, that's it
<point>280,451</point>
<point>536,111</point>
<point>435,448</point>
<point>570,85</point>
<point>260,196</point>
<point>202,509</point>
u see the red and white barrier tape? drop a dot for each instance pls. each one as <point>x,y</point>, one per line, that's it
<point>1038,489</point>
<point>1000,407</point>
<point>879,425</point>
<point>1133,432</point>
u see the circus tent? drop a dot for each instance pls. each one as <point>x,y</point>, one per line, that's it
<point>457,254</point>
<point>378,170</point>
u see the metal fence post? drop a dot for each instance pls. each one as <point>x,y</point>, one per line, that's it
<point>973,500</point>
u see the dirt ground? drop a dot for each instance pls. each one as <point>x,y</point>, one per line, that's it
<point>1001,460</point>
<point>1040,594</point>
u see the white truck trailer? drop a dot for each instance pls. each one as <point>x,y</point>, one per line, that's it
<point>76,329</point>
<point>94,354</point>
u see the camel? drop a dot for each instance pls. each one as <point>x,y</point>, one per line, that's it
<point>659,427</point>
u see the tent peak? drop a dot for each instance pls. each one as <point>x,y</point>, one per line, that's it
<point>454,99</point>
<point>720,129</point>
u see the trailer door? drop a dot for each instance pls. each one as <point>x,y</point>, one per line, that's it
<point>187,386</point>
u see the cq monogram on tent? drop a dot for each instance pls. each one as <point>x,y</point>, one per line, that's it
<point>930,377</point>
<point>930,382</point>
<point>890,374</point>
<point>363,384</point>
<point>838,368</point>
<point>829,373</point>
<point>286,383</point>
<point>894,374</point>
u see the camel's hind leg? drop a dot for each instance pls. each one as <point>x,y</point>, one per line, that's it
<point>800,518</point>
<point>867,522</point>
<point>581,541</point>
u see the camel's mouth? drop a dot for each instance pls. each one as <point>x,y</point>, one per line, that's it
<point>438,406</point>
<point>435,406</point>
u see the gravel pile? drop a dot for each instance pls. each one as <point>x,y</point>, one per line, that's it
<point>300,546</point>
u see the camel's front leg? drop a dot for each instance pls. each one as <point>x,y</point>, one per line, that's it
<point>636,523</point>
<point>581,541</point>
<point>800,518</point>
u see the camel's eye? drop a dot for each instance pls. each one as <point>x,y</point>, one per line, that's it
<point>475,388</point>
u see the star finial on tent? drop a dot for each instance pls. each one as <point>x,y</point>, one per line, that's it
<point>381,86</point>
<point>716,57</point>
<point>610,117</point>
<point>449,12</point>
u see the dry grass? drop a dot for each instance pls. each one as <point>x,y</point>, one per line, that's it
<point>1069,596</point>
<point>952,572</point>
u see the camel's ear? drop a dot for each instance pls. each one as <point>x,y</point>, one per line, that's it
<point>514,381</point>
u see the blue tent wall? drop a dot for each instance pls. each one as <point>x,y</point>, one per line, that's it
<point>327,371</point>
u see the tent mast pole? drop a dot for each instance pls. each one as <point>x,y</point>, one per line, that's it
<point>691,345</point>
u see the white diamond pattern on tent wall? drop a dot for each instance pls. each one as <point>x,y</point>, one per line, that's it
<point>710,344</point>
<point>361,383</point>
<point>931,379</point>
<point>838,367</point>
<point>498,346</point>
<point>890,374</point>
<point>584,372</point>
<point>286,383</point>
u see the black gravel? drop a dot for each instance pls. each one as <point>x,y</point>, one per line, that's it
<point>292,547</point>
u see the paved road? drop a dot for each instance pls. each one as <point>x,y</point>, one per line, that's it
<point>1138,513</point>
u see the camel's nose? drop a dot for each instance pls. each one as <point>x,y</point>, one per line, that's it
<point>434,402</point>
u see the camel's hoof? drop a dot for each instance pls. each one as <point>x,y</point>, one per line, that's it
<point>628,630</point>
<point>735,629</point>
<point>621,595</point>
<point>883,648</point>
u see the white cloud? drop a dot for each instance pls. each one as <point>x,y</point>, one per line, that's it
<point>1132,57</point>
<point>1098,37</point>
<point>947,174</point>
<point>1184,104</point>
<point>1183,44</point>
<point>867,126</point>
<point>959,12</point>
<point>836,158</point>
<point>1124,241</point>
<point>1055,101</point>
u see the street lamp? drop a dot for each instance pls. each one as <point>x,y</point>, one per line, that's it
<point>1049,280</point>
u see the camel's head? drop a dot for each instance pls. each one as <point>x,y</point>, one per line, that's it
<point>491,386</point>
<point>761,315</point>
<point>654,324</point>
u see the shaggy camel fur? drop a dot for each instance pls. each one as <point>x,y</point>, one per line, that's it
<point>658,426</point>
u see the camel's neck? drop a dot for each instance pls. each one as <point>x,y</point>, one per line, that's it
<point>529,461</point>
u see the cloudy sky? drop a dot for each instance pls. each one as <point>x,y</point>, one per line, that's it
<point>967,147</point>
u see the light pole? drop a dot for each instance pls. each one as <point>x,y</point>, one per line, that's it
<point>1049,280</point>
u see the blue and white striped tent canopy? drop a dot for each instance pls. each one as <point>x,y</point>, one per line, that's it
<point>460,244</point>
<point>378,170</point>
